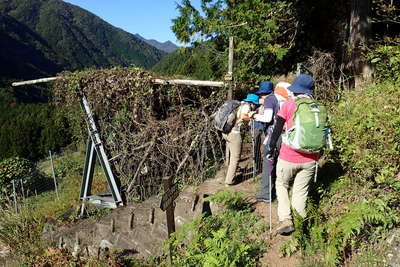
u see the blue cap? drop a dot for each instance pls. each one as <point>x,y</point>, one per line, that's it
<point>303,84</point>
<point>265,88</point>
<point>252,98</point>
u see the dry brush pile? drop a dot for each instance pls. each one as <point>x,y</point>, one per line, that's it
<point>150,131</point>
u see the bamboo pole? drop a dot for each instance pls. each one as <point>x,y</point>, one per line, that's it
<point>156,81</point>
<point>190,82</point>
<point>41,80</point>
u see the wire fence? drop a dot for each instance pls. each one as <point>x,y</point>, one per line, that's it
<point>20,195</point>
<point>43,182</point>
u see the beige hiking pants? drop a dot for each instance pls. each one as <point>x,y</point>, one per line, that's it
<point>234,142</point>
<point>302,174</point>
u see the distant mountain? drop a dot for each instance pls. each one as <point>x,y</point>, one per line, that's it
<point>43,37</point>
<point>167,46</point>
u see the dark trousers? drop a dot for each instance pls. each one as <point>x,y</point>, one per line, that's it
<point>268,170</point>
<point>257,155</point>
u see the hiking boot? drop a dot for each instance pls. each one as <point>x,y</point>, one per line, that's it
<point>285,227</point>
<point>262,198</point>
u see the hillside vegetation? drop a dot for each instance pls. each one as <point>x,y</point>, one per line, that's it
<point>198,62</point>
<point>152,131</point>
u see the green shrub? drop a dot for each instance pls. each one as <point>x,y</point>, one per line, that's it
<point>385,57</point>
<point>366,129</point>
<point>16,168</point>
<point>231,238</point>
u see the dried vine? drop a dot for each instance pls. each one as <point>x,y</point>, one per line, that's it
<point>149,131</point>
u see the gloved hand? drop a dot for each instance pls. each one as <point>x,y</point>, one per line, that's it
<point>268,151</point>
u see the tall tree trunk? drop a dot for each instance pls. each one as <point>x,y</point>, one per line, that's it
<point>359,31</point>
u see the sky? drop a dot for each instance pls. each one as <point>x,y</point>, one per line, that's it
<point>149,18</point>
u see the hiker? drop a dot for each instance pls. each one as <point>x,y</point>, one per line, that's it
<point>282,92</point>
<point>293,163</point>
<point>269,110</point>
<point>258,126</point>
<point>234,138</point>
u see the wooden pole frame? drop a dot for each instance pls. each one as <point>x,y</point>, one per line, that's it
<point>155,81</point>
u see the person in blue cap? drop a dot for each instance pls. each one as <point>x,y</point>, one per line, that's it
<point>234,137</point>
<point>265,119</point>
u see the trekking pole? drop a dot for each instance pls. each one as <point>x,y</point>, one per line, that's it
<point>270,199</point>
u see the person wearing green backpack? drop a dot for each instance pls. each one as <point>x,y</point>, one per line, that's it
<point>306,125</point>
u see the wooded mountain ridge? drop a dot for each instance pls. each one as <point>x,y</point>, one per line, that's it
<point>43,37</point>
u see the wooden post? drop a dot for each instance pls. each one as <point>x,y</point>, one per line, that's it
<point>230,69</point>
<point>54,174</point>
<point>170,213</point>
<point>170,209</point>
<point>229,79</point>
<point>131,221</point>
<point>112,226</point>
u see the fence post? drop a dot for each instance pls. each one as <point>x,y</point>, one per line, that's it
<point>167,181</point>
<point>54,175</point>
<point>22,189</point>
<point>229,79</point>
<point>14,197</point>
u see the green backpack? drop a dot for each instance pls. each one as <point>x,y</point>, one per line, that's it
<point>310,122</point>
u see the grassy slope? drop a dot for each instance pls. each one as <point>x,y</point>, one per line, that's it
<point>23,231</point>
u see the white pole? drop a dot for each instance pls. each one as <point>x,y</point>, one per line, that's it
<point>42,80</point>
<point>15,197</point>
<point>54,175</point>
<point>270,202</point>
<point>156,81</point>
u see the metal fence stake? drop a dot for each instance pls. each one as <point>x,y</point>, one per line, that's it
<point>22,188</point>
<point>14,197</point>
<point>54,175</point>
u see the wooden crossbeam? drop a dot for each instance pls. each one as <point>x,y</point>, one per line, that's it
<point>156,81</point>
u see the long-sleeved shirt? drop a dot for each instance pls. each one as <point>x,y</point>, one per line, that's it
<point>243,109</point>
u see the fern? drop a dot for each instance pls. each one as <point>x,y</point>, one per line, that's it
<point>362,217</point>
<point>222,239</point>
<point>231,199</point>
